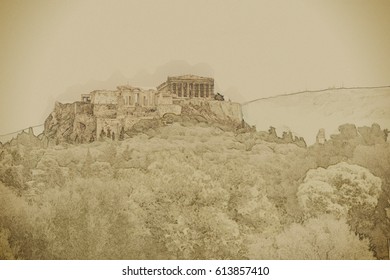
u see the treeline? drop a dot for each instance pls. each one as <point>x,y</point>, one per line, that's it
<point>195,192</point>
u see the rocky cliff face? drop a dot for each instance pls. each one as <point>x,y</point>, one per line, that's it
<point>79,122</point>
<point>27,139</point>
<point>72,123</point>
<point>214,110</point>
<point>226,110</point>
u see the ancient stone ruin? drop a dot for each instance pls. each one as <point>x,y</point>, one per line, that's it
<point>113,112</point>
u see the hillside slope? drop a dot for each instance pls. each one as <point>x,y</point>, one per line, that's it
<point>193,191</point>
<point>304,113</point>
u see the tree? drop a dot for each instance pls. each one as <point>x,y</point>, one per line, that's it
<point>13,176</point>
<point>102,135</point>
<point>126,153</point>
<point>202,233</point>
<point>109,154</point>
<point>376,158</point>
<point>122,134</point>
<point>86,170</point>
<point>53,175</point>
<point>338,189</point>
<point>6,252</point>
<point>322,238</point>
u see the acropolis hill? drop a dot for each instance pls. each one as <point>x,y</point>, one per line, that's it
<point>114,113</point>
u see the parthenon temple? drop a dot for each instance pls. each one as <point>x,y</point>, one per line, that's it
<point>188,86</point>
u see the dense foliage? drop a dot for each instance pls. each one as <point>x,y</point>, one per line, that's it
<point>194,192</point>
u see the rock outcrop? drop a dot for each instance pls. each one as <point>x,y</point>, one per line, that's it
<point>72,123</point>
<point>27,139</point>
<point>113,113</point>
<point>320,138</point>
<point>82,122</point>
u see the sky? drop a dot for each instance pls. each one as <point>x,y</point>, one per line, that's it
<point>55,50</point>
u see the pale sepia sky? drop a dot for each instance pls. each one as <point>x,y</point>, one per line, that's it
<point>253,48</point>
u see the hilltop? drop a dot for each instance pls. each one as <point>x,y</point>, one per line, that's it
<point>303,113</point>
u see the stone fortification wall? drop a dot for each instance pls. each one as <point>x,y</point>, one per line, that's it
<point>168,109</point>
<point>222,110</point>
<point>105,110</point>
<point>104,96</point>
<point>226,110</point>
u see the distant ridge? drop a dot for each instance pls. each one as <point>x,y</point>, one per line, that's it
<point>312,91</point>
<point>305,112</point>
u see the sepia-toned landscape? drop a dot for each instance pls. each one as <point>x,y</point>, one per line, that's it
<point>194,130</point>
<point>177,173</point>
